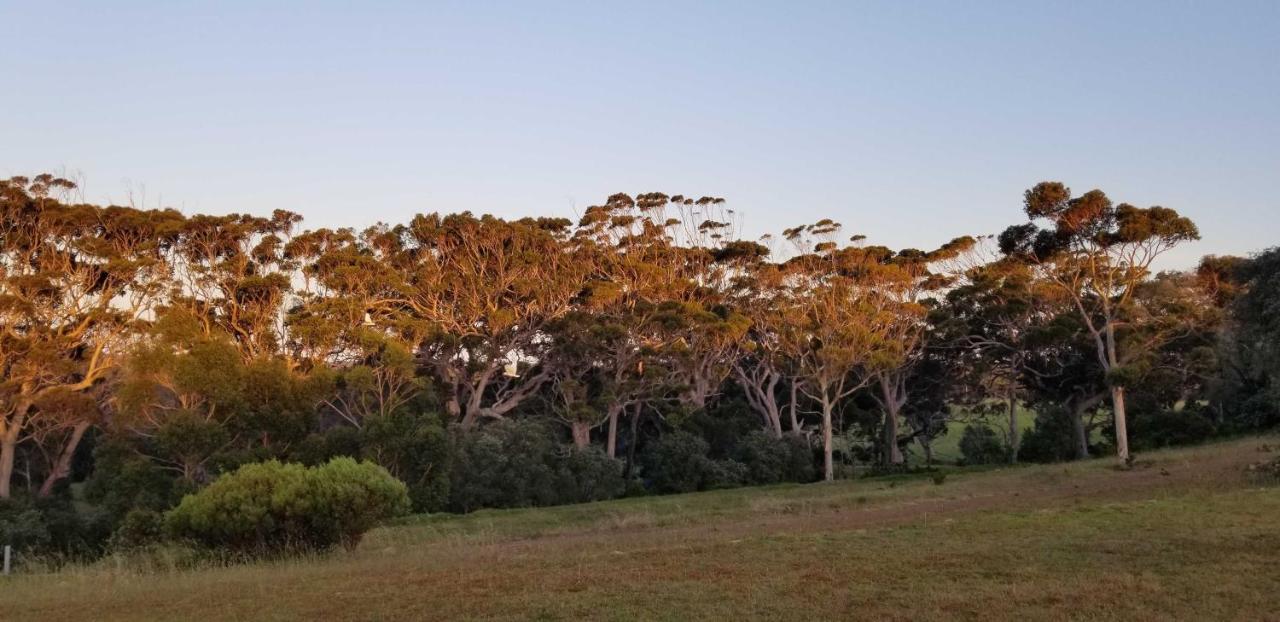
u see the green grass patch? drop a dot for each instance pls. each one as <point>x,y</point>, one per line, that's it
<point>1190,535</point>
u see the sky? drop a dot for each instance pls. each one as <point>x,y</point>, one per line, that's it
<point>908,122</point>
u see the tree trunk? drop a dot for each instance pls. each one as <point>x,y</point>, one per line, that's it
<point>1081,435</point>
<point>631,442</point>
<point>1014,433</point>
<point>927,446</point>
<point>611,444</point>
<point>1122,425</point>
<point>892,453</point>
<point>795,422</point>
<point>581,434</point>
<point>62,467</point>
<point>8,451</point>
<point>9,448</point>
<point>828,466</point>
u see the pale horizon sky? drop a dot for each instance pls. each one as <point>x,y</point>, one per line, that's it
<point>911,123</point>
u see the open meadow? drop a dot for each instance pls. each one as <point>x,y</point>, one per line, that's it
<point>1186,534</point>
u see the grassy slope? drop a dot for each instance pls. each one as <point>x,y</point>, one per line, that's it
<point>1185,535</point>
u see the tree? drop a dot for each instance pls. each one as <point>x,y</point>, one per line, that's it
<point>74,281</point>
<point>1246,391</point>
<point>191,400</point>
<point>487,289</point>
<point>909,277</point>
<point>986,324</point>
<point>845,321</point>
<point>1097,254</point>
<point>233,274</point>
<point>652,306</point>
<point>762,367</point>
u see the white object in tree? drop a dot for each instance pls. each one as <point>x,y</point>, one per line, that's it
<point>511,369</point>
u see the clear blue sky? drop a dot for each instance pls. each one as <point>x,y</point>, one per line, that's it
<point>909,122</point>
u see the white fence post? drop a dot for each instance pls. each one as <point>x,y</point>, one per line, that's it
<point>7,550</point>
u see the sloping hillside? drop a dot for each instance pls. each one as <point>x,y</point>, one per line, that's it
<point>1185,534</point>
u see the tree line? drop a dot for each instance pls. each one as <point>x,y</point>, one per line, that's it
<point>145,351</point>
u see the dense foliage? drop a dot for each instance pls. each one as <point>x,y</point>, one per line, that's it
<point>272,506</point>
<point>154,362</point>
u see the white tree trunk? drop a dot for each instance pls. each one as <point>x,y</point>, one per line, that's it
<point>828,466</point>
<point>1122,424</point>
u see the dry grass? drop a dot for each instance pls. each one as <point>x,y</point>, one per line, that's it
<point>1185,535</point>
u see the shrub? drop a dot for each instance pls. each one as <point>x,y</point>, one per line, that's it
<point>521,463</point>
<point>726,474</point>
<point>1051,440</point>
<point>769,460</point>
<point>22,525</point>
<point>678,462</point>
<point>321,447</point>
<point>801,466</point>
<point>51,528</point>
<point>981,445</point>
<point>414,448</point>
<point>271,506</point>
<point>764,457</point>
<point>591,475</point>
<point>139,528</point>
<point>123,480</point>
<point>1170,427</point>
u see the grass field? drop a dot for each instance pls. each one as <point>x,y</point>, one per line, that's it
<point>1186,534</point>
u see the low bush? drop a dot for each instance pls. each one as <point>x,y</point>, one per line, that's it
<point>270,507</point>
<point>678,462</point>
<point>981,445</point>
<point>1052,439</point>
<point>139,528</point>
<point>1167,428</point>
<point>590,475</point>
<point>51,530</point>
<point>770,460</point>
<point>521,463</point>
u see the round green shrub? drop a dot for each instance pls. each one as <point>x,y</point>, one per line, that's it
<point>981,445</point>
<point>271,506</point>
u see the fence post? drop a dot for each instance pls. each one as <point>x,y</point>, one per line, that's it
<point>7,550</point>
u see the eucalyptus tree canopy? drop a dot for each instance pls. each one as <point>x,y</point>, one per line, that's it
<point>1097,254</point>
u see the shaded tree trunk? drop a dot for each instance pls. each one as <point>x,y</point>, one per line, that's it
<point>62,466</point>
<point>632,442</point>
<point>1081,435</point>
<point>926,444</point>
<point>760,389</point>
<point>893,397</point>
<point>1015,434</point>
<point>892,453</point>
<point>581,434</point>
<point>611,443</point>
<point>795,421</point>
<point>1078,410</point>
